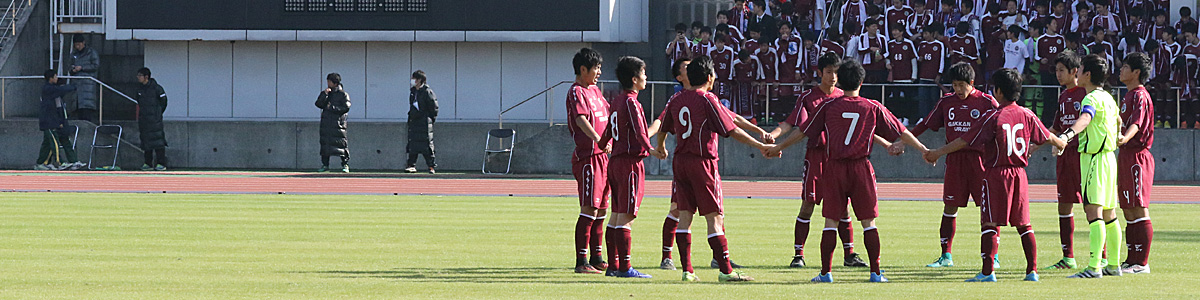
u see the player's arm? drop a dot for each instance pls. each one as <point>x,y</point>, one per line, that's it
<point>750,128</point>
<point>933,155</point>
<point>589,131</point>
<point>793,138</point>
<point>1128,134</point>
<point>741,136</point>
<point>782,129</point>
<point>1085,118</point>
<point>654,127</point>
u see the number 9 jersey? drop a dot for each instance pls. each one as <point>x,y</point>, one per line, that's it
<point>1006,134</point>
<point>697,119</point>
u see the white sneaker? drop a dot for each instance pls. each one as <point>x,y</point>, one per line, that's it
<point>410,170</point>
<point>77,165</point>
<point>1136,269</point>
<point>41,167</point>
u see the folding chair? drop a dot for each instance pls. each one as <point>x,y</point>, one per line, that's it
<point>499,143</point>
<point>113,131</point>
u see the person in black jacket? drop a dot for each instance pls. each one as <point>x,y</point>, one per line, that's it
<point>51,121</point>
<point>152,102</point>
<point>422,113</point>
<point>334,104</point>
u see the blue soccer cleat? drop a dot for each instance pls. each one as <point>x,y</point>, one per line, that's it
<point>1032,277</point>
<point>983,278</point>
<point>878,277</point>
<point>996,262</point>
<point>826,277</point>
<point>632,273</point>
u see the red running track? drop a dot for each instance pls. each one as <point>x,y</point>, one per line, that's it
<point>307,183</point>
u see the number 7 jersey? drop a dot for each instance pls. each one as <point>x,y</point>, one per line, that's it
<point>1006,134</point>
<point>696,118</point>
<point>850,124</point>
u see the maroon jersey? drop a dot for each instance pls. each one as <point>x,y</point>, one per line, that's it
<point>732,41</point>
<point>701,49</point>
<point>627,127</point>
<point>1138,109</point>
<point>835,47</point>
<point>994,60</point>
<point>1108,21</point>
<point>807,106</point>
<point>1062,21</point>
<point>931,57</point>
<point>750,44</point>
<point>854,17</point>
<point>1161,60</point>
<point>1179,25</point>
<point>989,23</point>
<point>696,119</point>
<point>768,60</point>
<point>916,23</point>
<point>868,57</point>
<point>1005,134</point>
<point>1185,77</point>
<point>1069,105</point>
<point>788,56</point>
<point>850,124</point>
<point>963,48</point>
<point>1140,27</point>
<point>748,70</point>
<point>1048,47</point>
<point>957,115</point>
<point>587,102</point>
<point>902,54</point>
<point>723,62</point>
<point>896,17</point>
<point>1155,32</point>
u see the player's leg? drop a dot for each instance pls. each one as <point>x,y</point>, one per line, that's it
<point>1140,234</point>
<point>1135,179</point>
<point>865,201</point>
<point>828,243</point>
<point>803,220</point>
<point>683,238</point>
<point>1113,241</point>
<point>601,204</point>
<point>948,227</point>
<point>668,236</point>
<point>1068,185</point>
<point>991,209</point>
<point>846,233</point>
<point>1020,219</point>
<point>955,193</point>
<point>585,179</point>
<point>610,240</point>
<point>1096,238</point>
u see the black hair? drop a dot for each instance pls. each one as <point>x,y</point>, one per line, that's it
<point>697,24</point>
<point>49,74</point>
<point>1097,66</point>
<point>1008,83</point>
<point>808,36</point>
<point>969,4</point>
<point>629,67</point>
<point>850,75</point>
<point>1082,6</point>
<point>1185,11</point>
<point>78,38</point>
<point>675,67</point>
<point>743,54</point>
<point>932,28</point>
<point>949,3</point>
<point>961,71</point>
<point>760,3</point>
<point>828,59</point>
<point>1073,37</point>
<point>586,58</point>
<point>335,78</point>
<point>1151,45</point>
<point>699,70</point>
<point>1037,25</point>
<point>1158,12</point>
<point>722,27</point>
<point>1137,12</point>
<point>1016,29</point>
<point>1171,30</point>
<point>706,29</point>
<point>724,13</point>
<point>1069,59</point>
<point>1139,61</point>
<point>1099,2</point>
<point>1189,28</point>
<point>781,24</point>
<point>916,3</point>
<point>146,72</point>
<point>1042,3</point>
<point>871,21</point>
<point>720,37</point>
<point>993,8</point>
<point>1098,29</point>
<point>754,27</point>
<point>962,27</point>
<point>681,28</point>
<point>420,75</point>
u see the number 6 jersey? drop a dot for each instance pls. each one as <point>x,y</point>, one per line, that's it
<point>1006,134</point>
<point>696,118</point>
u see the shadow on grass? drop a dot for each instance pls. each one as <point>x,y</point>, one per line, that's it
<point>1173,236</point>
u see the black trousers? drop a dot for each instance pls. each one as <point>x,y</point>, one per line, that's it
<point>150,154</point>
<point>325,160</point>
<point>430,159</point>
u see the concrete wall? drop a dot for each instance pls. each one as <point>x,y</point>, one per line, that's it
<point>540,149</point>
<point>29,55</point>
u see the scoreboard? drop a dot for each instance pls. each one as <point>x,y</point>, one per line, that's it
<point>361,6</point>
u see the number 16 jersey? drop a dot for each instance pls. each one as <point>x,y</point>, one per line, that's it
<point>697,119</point>
<point>1006,134</point>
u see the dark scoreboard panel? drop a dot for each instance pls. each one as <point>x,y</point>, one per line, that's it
<point>384,15</point>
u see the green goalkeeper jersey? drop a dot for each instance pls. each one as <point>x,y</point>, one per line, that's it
<point>1101,134</point>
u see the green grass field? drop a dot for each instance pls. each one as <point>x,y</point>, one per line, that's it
<point>117,246</point>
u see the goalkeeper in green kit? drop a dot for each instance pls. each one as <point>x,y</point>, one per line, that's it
<point>1098,128</point>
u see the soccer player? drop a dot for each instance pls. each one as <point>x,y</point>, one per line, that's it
<point>630,144</point>
<point>958,112</point>
<point>1066,65</point>
<point>896,17</point>
<point>915,23</point>
<point>679,70</point>
<point>814,159</point>
<point>1135,163</point>
<point>850,124</point>
<point>588,112</point>
<point>1008,133</point>
<point>723,57</point>
<point>1098,130</point>
<point>696,119</point>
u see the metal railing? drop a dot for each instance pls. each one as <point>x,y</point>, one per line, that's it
<point>10,18</point>
<point>4,80</point>
<point>549,97</point>
<point>79,9</point>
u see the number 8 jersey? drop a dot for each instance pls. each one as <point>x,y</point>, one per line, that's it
<point>1006,134</point>
<point>696,118</point>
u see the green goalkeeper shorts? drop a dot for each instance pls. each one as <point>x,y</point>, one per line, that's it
<point>1098,174</point>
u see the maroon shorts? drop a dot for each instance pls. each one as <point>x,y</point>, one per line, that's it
<point>626,177</point>
<point>591,181</point>
<point>964,178</point>
<point>1135,177</point>
<point>1005,197</point>
<point>697,185</point>
<point>1068,177</point>
<point>814,162</point>
<point>851,182</point>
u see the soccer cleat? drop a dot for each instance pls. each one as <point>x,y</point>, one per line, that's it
<point>826,277</point>
<point>410,170</point>
<point>611,273</point>
<point>1065,263</point>
<point>1112,271</point>
<point>1032,277</point>
<point>878,277</point>
<point>323,169</point>
<point>854,261</point>
<point>345,168</point>
<point>632,274</point>
<point>715,265</point>
<point>1136,269</point>
<point>689,276</point>
<point>797,262</point>
<point>733,277</point>
<point>946,260</point>
<point>667,264</point>
<point>146,167</point>
<point>43,167</point>
<point>587,269</point>
<point>598,263</point>
<point>160,168</point>
<point>1158,124</point>
<point>996,262</point>
<point>1087,273</point>
<point>983,278</point>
